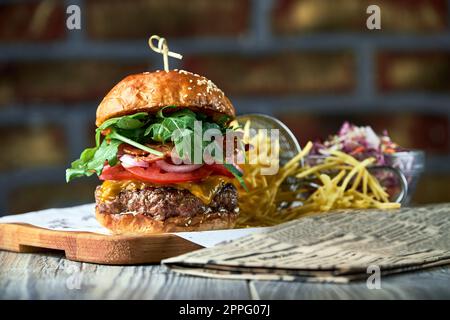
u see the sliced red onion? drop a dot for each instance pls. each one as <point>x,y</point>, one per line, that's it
<point>182,168</point>
<point>129,161</point>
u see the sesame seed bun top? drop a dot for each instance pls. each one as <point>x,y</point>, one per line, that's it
<point>151,91</point>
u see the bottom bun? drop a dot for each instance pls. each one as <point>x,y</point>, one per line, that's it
<point>140,223</point>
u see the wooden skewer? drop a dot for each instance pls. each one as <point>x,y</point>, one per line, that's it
<point>163,49</point>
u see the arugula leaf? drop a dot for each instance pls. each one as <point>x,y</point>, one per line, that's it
<point>78,167</point>
<point>106,152</point>
<point>182,122</point>
<point>201,116</point>
<point>158,132</point>
<point>184,145</point>
<point>163,129</point>
<point>237,174</point>
<point>211,125</point>
<point>179,113</point>
<point>138,128</point>
<point>160,113</point>
<point>128,122</point>
<point>92,160</point>
<point>130,130</point>
<point>136,135</point>
<point>121,138</point>
<point>223,120</point>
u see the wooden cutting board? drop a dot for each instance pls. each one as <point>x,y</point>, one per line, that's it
<point>95,248</point>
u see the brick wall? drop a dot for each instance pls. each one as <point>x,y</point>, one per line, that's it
<point>312,63</point>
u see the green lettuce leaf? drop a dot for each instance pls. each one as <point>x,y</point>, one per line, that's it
<point>140,128</point>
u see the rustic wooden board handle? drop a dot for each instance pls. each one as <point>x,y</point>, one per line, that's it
<point>95,248</point>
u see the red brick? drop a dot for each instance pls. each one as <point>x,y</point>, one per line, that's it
<point>110,20</point>
<point>62,81</point>
<point>285,73</point>
<point>32,146</point>
<point>35,21</point>
<point>49,195</point>
<point>416,131</point>
<point>419,71</point>
<point>397,16</point>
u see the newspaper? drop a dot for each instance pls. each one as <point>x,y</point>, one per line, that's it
<point>336,247</point>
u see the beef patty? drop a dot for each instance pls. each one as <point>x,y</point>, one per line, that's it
<point>165,202</point>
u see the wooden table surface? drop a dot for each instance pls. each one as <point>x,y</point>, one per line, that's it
<point>50,276</point>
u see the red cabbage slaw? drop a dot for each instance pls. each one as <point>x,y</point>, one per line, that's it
<point>360,142</point>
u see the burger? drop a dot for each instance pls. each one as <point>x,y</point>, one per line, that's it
<point>149,127</point>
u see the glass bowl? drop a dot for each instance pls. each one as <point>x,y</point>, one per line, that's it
<point>410,163</point>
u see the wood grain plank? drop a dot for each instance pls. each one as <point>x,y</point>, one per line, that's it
<point>187,287</point>
<point>43,276</point>
<point>429,284</point>
<point>38,276</point>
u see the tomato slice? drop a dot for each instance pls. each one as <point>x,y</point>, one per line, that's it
<point>154,174</point>
<point>115,173</point>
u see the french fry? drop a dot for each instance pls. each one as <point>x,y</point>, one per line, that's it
<point>340,182</point>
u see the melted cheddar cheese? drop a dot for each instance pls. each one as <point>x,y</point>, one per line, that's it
<point>204,190</point>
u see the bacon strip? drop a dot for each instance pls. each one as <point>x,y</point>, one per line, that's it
<point>144,155</point>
